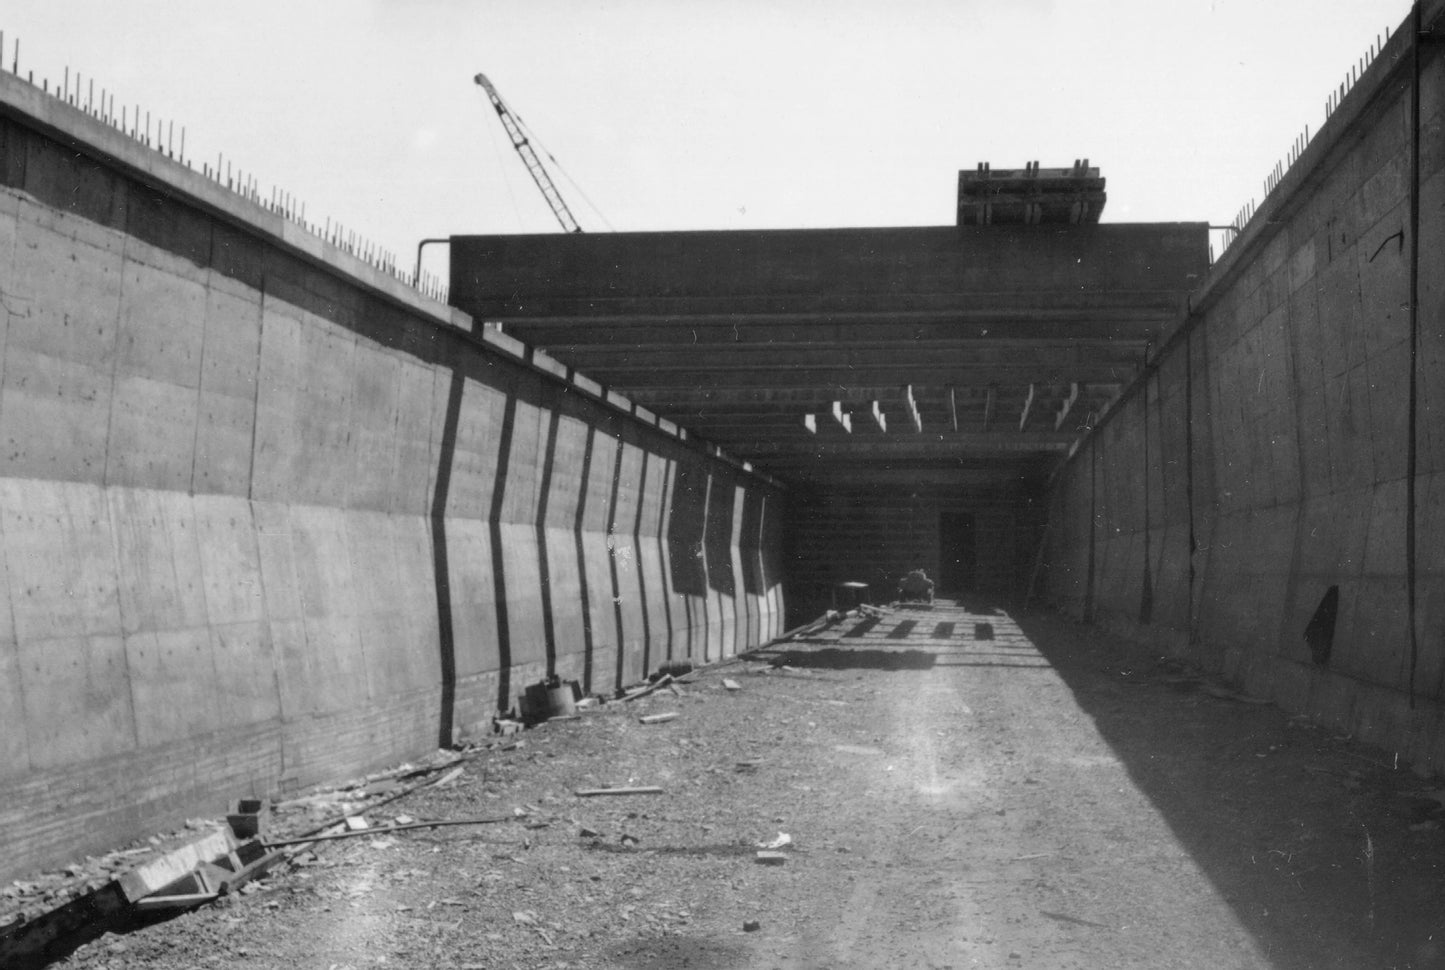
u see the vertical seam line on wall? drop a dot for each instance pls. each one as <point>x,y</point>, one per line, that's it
<point>579,549</point>
<point>544,564</point>
<point>256,383</point>
<point>105,493</point>
<point>1411,449</point>
<point>1146,594</point>
<point>702,558</point>
<point>664,557</point>
<point>1189,468</point>
<point>642,603</point>
<point>201,370</point>
<point>1093,527</point>
<point>611,543</point>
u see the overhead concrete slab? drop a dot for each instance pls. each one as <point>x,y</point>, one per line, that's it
<point>715,330</point>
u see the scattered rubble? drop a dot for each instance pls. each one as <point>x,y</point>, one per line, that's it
<point>664,873</point>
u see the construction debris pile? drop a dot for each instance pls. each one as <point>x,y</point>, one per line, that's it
<point>209,860</point>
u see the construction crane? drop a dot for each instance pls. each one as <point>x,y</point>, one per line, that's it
<point>534,164</point>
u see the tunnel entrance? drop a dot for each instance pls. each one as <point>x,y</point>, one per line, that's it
<point>957,553</point>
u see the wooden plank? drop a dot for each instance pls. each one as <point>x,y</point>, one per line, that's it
<point>1028,405</point>
<point>659,718</point>
<point>182,901</point>
<point>388,829</point>
<point>637,790</point>
<point>658,684</point>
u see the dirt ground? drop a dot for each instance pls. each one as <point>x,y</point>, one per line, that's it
<point>961,789</point>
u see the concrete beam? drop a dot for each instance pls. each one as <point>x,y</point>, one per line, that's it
<point>911,409</point>
<point>950,447</point>
<point>901,353</point>
<point>694,383</point>
<point>880,420</point>
<point>1068,322</point>
<point>1066,406</point>
<point>938,269</point>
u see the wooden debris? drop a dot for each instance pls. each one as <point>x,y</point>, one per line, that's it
<point>564,717</point>
<point>659,718</point>
<point>658,684</point>
<point>768,858</point>
<point>730,684</point>
<point>388,829</point>
<point>152,876</point>
<point>183,901</point>
<point>638,790</point>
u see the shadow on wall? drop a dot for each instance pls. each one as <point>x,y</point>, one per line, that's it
<point>604,555</point>
<point>688,560</point>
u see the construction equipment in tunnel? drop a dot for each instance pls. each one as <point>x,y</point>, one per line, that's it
<point>523,144</point>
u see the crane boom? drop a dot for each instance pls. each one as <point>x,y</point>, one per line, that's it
<point>529,157</point>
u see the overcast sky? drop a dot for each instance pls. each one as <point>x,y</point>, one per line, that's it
<point>732,114</point>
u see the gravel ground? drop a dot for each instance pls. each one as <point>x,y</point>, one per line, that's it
<point>959,789</point>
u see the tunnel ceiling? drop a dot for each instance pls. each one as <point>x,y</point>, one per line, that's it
<point>950,356</point>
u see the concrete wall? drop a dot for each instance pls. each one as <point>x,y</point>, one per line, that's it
<point>876,536</point>
<point>1264,459</point>
<point>269,517</point>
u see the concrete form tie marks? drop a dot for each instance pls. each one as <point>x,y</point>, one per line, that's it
<point>161,137</point>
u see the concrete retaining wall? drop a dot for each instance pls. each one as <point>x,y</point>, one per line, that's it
<point>877,536</point>
<point>1263,461</point>
<point>269,517</point>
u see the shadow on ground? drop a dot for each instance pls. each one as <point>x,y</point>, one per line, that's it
<point>1309,838</point>
<point>665,952</point>
<point>851,658</point>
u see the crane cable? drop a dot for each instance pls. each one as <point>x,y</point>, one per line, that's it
<point>532,137</point>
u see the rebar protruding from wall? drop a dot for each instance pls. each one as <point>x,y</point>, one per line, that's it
<point>1301,142</point>
<point>162,140</point>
